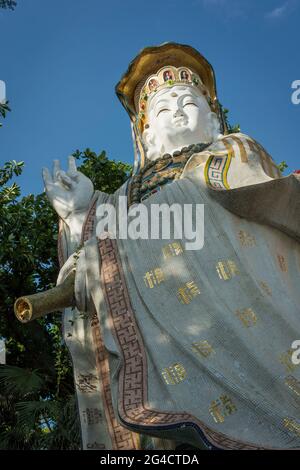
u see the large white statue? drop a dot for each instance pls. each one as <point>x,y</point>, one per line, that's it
<point>188,346</point>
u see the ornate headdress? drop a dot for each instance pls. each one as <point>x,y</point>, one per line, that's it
<point>158,67</point>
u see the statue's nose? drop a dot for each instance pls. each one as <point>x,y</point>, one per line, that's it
<point>178,113</point>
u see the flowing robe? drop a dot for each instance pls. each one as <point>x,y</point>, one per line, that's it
<point>193,346</point>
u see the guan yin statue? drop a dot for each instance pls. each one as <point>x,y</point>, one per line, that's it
<point>177,342</point>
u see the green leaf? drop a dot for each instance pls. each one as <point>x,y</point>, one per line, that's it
<point>18,381</point>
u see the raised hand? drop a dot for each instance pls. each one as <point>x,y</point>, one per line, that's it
<point>68,192</point>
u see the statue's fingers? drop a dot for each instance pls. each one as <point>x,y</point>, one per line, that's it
<point>72,169</point>
<point>56,169</point>
<point>64,179</point>
<point>46,177</point>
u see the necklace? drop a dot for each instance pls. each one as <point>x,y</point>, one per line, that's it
<point>157,173</point>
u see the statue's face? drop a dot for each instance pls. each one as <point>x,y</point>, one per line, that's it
<point>178,116</point>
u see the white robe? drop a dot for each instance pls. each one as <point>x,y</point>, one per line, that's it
<point>194,346</point>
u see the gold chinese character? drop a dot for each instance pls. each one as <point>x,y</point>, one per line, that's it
<point>183,295</point>
<point>246,239</point>
<point>265,287</point>
<point>193,288</point>
<point>229,406</point>
<point>293,384</point>
<point>282,263</point>
<point>215,411</point>
<point>292,426</point>
<point>172,249</point>
<point>174,374</point>
<point>221,408</point>
<point>159,275</point>
<point>227,269</point>
<point>247,317</point>
<point>167,252</point>
<point>187,292</point>
<point>203,348</point>
<point>178,250</point>
<point>154,277</point>
<point>286,360</point>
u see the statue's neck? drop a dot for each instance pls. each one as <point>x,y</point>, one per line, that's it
<point>175,151</point>
<point>171,149</point>
<point>167,167</point>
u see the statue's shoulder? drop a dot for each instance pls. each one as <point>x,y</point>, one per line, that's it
<point>241,139</point>
<point>249,150</point>
<point>235,141</point>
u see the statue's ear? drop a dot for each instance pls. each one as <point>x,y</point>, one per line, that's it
<point>214,124</point>
<point>150,142</point>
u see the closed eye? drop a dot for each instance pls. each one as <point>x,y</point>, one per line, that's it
<point>186,104</point>
<point>162,110</point>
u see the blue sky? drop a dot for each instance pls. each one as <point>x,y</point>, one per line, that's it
<point>61,59</point>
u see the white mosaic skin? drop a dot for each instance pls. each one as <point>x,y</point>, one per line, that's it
<point>178,116</point>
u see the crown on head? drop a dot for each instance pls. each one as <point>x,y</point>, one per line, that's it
<point>165,77</point>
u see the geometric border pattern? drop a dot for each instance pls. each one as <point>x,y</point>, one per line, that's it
<point>216,170</point>
<point>122,438</point>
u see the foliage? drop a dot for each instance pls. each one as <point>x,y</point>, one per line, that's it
<point>30,421</point>
<point>4,108</point>
<point>105,174</point>
<point>37,403</point>
<point>10,4</point>
<point>283,166</point>
<point>232,129</point>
